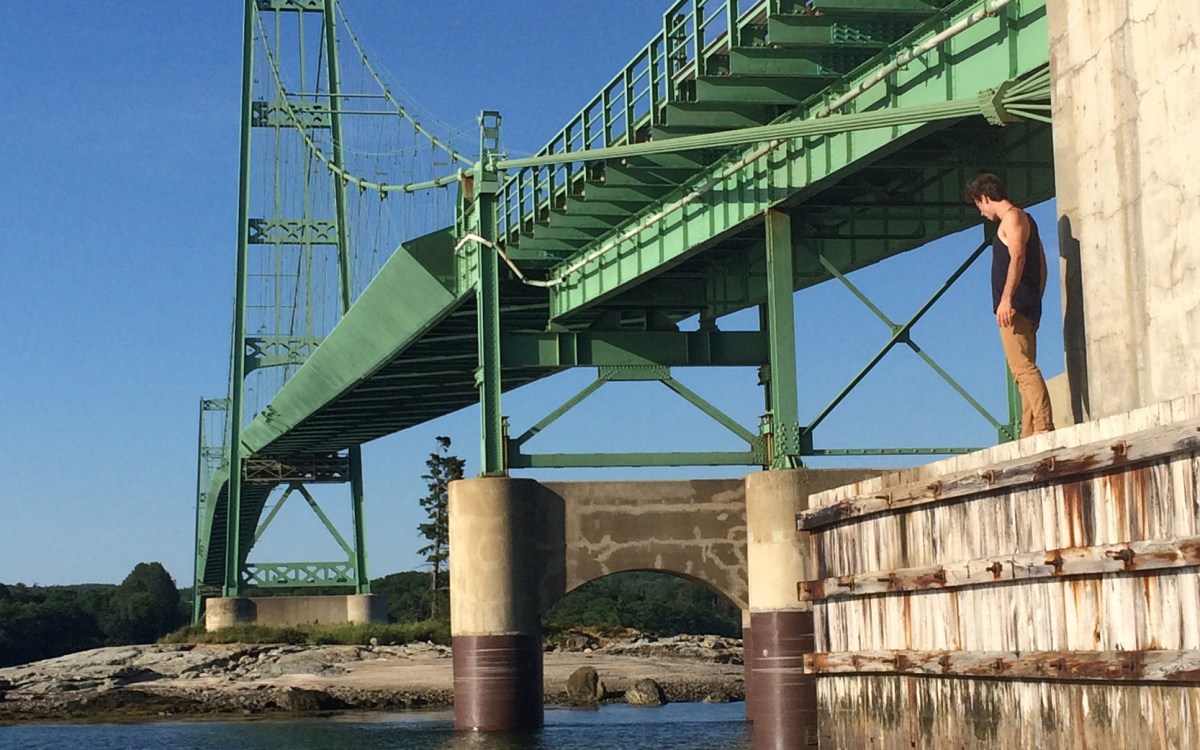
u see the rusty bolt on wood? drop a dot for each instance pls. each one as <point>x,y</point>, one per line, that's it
<point>1056,561</point>
<point>1126,556</point>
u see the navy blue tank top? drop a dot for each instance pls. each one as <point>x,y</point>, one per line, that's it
<point>1027,297</point>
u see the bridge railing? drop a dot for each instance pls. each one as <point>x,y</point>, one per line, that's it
<point>625,110</point>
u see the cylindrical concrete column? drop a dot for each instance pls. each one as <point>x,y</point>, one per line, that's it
<point>494,619</point>
<point>785,699</point>
<point>748,664</point>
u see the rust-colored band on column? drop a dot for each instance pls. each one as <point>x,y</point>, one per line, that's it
<point>748,671</point>
<point>785,699</point>
<point>497,682</point>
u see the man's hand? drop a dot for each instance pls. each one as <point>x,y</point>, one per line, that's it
<point>1004,313</point>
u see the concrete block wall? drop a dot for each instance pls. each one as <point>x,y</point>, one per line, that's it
<point>1126,169</point>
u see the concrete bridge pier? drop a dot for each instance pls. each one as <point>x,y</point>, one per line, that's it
<point>748,664</point>
<point>781,699</point>
<point>494,616</point>
<point>784,703</point>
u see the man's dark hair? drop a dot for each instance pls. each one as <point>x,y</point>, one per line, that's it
<point>985,186</point>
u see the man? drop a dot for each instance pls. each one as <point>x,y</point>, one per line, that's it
<point>1018,282</point>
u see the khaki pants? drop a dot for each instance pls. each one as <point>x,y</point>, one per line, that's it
<point>1020,349</point>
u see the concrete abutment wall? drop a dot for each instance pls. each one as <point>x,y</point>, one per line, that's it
<point>285,611</point>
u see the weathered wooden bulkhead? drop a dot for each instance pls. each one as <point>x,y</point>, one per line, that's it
<point>1043,593</point>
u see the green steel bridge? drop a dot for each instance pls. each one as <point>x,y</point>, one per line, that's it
<point>749,150</point>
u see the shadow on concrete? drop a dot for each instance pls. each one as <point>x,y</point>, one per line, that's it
<point>1074,333</point>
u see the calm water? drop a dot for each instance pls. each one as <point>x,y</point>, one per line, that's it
<point>677,726</point>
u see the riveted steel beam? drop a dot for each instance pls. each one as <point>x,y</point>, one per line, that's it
<point>670,349</point>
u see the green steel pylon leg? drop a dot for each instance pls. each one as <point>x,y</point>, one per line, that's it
<point>361,580</point>
<point>199,511</point>
<point>487,300</point>
<point>782,387</point>
<point>346,287</point>
<point>233,507</point>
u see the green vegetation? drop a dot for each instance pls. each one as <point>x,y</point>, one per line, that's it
<point>44,622</point>
<point>409,597</point>
<point>443,468</point>
<point>437,631</point>
<point>650,602</point>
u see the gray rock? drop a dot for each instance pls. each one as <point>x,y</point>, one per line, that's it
<point>299,663</point>
<point>299,699</point>
<point>578,642</point>
<point>584,687</point>
<point>645,692</point>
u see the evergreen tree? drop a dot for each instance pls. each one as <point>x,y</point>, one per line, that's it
<point>144,607</point>
<point>443,468</point>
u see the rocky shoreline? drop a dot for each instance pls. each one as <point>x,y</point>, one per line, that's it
<point>131,683</point>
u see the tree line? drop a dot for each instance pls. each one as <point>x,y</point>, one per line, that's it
<point>44,622</point>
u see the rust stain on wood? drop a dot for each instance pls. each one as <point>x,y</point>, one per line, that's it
<point>1054,465</point>
<point>1158,665</point>
<point>1144,558</point>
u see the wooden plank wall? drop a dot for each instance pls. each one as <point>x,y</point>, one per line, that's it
<point>995,619</point>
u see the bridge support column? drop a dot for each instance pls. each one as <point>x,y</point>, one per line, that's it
<point>494,618</point>
<point>783,705</point>
<point>748,664</point>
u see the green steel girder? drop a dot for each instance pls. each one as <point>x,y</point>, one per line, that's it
<point>819,65</point>
<point>755,455</point>
<point>877,8</point>
<point>623,460</point>
<point>275,351</point>
<point>736,190</point>
<point>312,469</point>
<point>811,30</point>
<point>298,575</point>
<point>632,373</point>
<point>665,348</point>
<point>281,113</point>
<point>276,231</point>
<point>290,6</point>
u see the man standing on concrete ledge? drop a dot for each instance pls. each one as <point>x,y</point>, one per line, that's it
<point>1018,281</point>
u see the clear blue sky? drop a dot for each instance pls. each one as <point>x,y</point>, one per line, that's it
<point>118,196</point>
